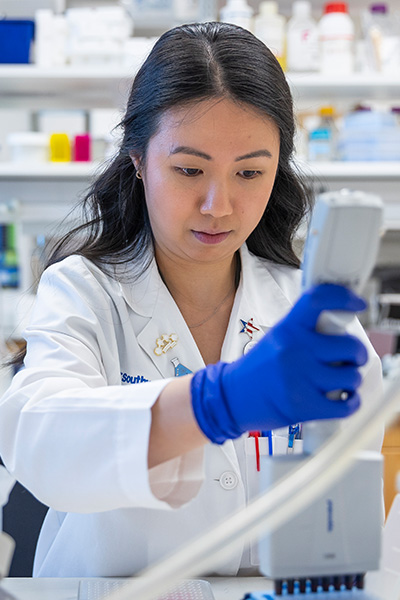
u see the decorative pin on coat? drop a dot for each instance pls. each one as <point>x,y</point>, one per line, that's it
<point>165,343</point>
<point>180,369</point>
<point>249,328</point>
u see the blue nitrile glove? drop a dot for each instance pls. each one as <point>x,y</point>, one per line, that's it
<point>284,379</point>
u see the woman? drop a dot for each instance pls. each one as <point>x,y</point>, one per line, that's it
<point>155,334</point>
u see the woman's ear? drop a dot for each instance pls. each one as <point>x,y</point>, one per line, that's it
<point>136,161</point>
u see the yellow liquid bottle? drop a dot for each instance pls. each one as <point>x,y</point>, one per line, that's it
<point>60,148</point>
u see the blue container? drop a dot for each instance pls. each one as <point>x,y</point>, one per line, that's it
<point>15,41</point>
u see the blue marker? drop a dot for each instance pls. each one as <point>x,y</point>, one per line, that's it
<point>268,434</point>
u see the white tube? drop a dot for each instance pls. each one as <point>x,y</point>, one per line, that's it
<point>272,509</point>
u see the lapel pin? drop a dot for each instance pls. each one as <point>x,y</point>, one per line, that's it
<point>165,343</point>
<point>249,327</point>
<point>180,369</point>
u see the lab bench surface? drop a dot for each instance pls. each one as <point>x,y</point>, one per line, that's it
<point>43,588</point>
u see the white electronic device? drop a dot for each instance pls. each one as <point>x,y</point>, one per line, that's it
<point>335,540</point>
<point>343,239</point>
<point>332,543</point>
<point>341,247</point>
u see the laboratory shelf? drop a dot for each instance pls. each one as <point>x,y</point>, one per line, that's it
<point>352,170</point>
<point>67,170</point>
<point>72,87</point>
<point>104,86</point>
<point>360,85</point>
<point>86,170</point>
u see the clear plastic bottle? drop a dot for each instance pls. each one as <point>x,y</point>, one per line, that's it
<point>302,39</point>
<point>238,12</point>
<point>336,39</point>
<point>322,139</point>
<point>395,110</point>
<point>270,28</point>
<point>382,37</point>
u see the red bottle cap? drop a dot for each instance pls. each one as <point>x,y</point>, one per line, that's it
<point>340,7</point>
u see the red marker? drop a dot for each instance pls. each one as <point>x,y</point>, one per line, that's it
<point>256,435</point>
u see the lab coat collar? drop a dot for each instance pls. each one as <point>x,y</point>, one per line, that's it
<point>145,293</point>
<point>141,291</point>
<point>149,297</point>
<point>259,297</point>
<point>263,298</point>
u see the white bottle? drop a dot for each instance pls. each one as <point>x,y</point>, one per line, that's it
<point>336,39</point>
<point>270,28</point>
<point>237,12</point>
<point>51,34</point>
<point>302,39</point>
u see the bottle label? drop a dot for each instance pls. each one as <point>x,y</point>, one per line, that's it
<point>337,55</point>
<point>302,50</point>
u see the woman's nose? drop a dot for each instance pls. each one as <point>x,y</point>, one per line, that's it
<point>217,201</point>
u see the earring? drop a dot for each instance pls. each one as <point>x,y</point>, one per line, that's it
<point>138,175</point>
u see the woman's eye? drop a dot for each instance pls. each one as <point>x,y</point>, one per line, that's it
<point>189,172</point>
<point>249,174</point>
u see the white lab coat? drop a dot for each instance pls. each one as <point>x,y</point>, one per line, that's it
<point>77,436</point>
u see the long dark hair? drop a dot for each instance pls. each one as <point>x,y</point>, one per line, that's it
<point>187,64</point>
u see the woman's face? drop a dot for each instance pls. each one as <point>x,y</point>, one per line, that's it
<point>208,176</point>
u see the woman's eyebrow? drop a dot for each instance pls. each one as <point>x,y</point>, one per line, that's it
<point>194,152</point>
<point>189,150</point>
<point>254,154</point>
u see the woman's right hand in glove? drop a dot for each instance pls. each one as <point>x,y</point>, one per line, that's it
<point>287,376</point>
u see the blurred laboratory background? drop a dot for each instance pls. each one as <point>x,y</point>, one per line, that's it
<point>65,70</point>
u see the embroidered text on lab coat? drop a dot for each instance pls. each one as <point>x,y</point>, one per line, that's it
<point>125,378</point>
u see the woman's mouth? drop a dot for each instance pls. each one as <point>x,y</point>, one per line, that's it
<point>210,238</point>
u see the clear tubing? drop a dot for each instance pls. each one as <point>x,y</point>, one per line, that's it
<point>290,495</point>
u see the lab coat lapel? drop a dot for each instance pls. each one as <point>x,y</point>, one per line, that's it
<point>156,314</point>
<point>259,297</point>
<point>166,337</point>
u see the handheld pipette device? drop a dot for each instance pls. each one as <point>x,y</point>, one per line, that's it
<point>331,544</point>
<point>341,247</point>
<point>343,239</point>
